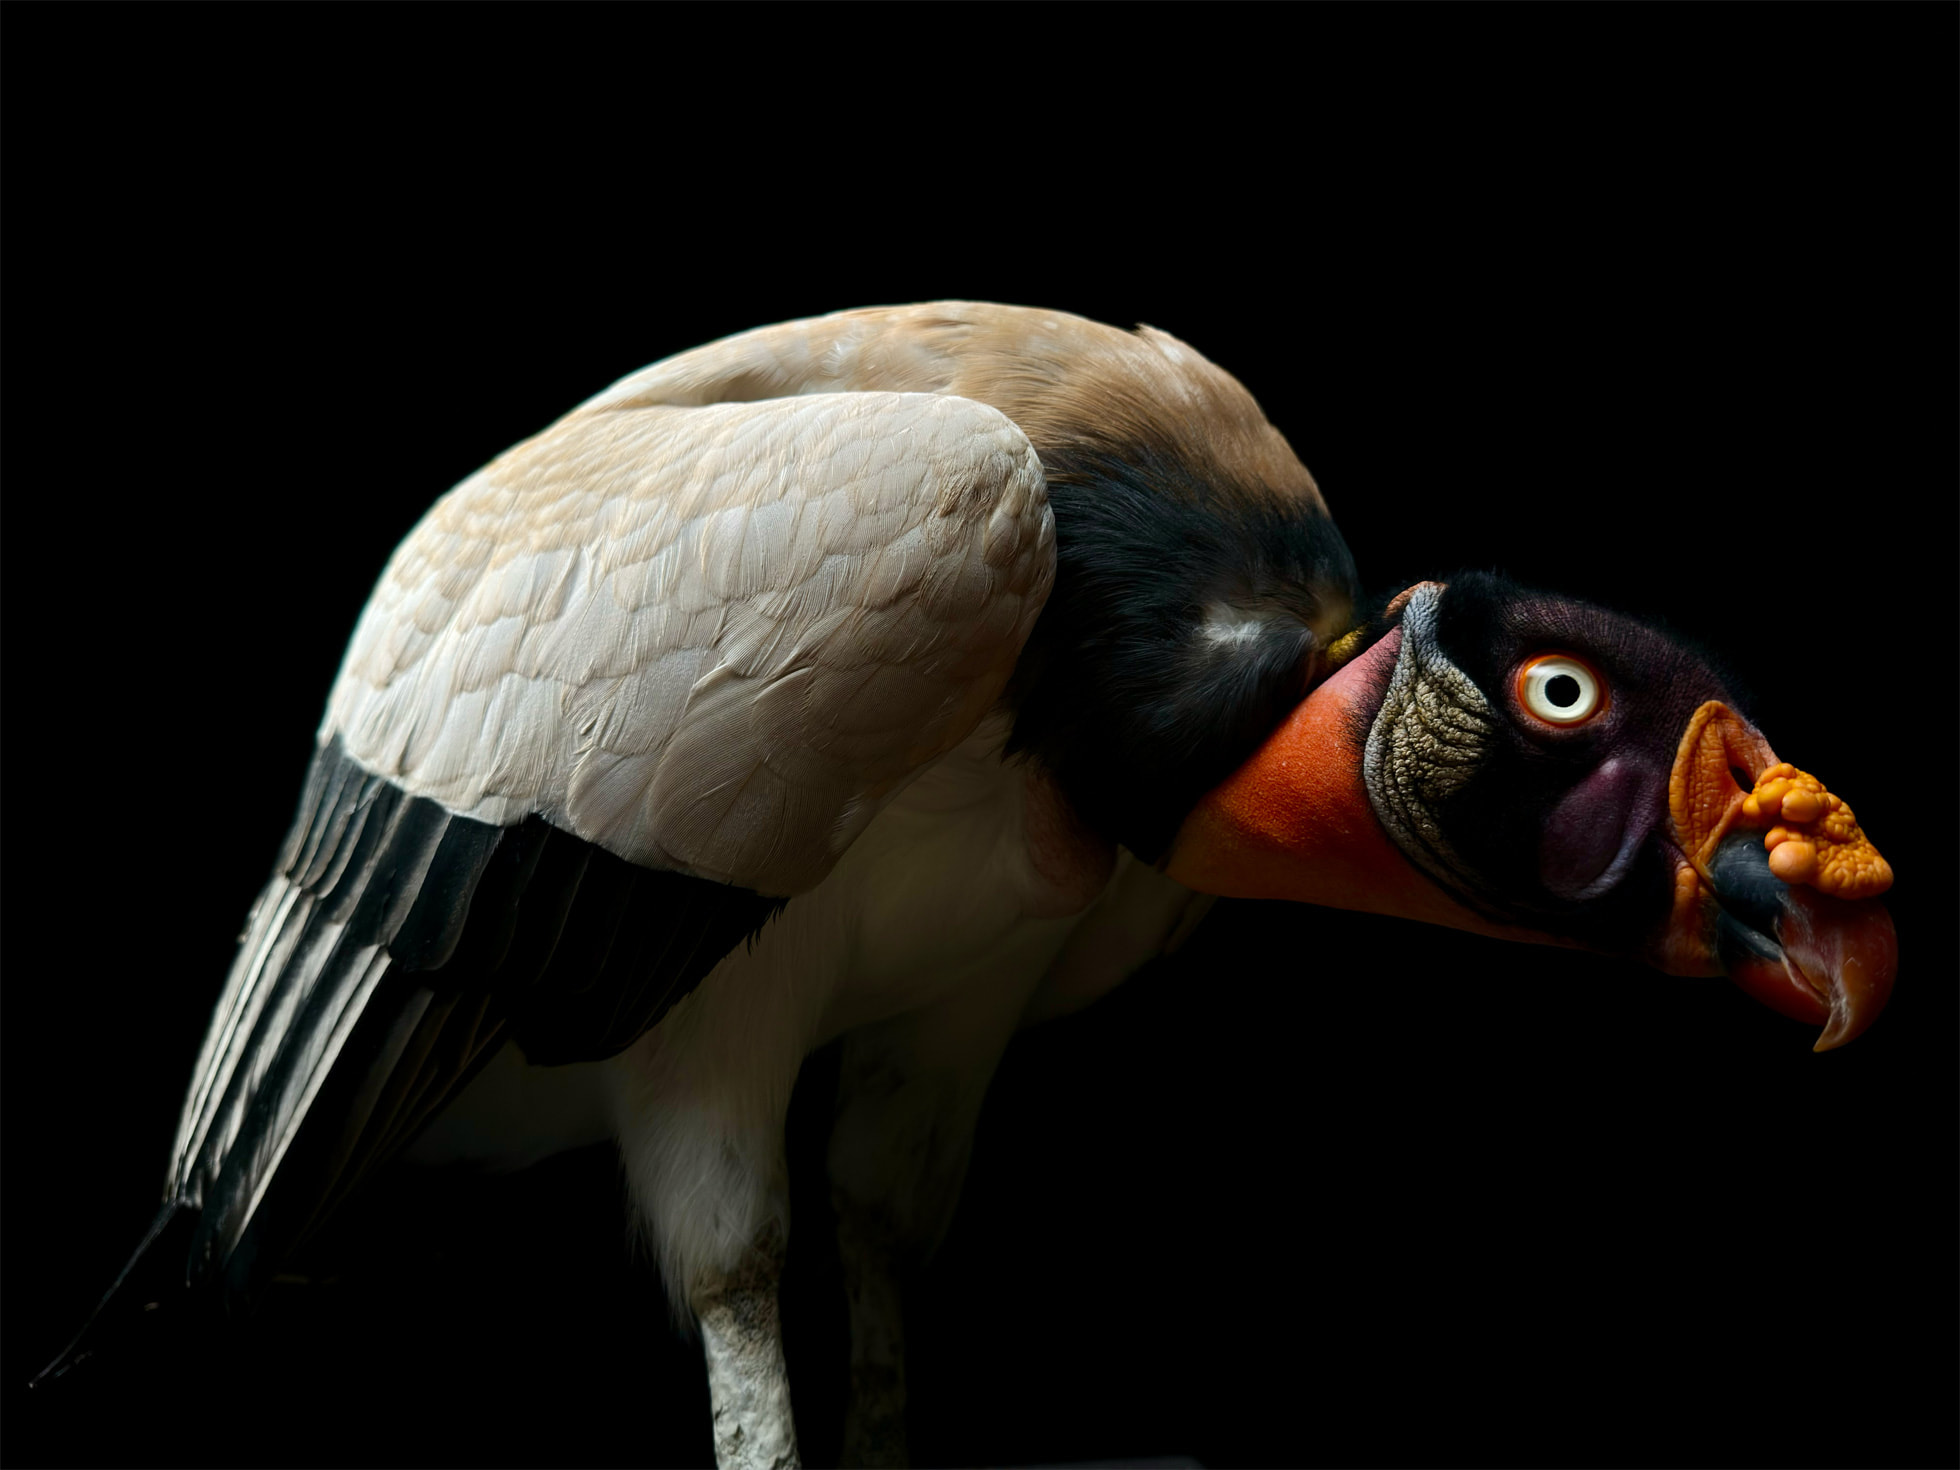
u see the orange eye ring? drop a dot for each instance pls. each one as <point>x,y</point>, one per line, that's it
<point>1561,690</point>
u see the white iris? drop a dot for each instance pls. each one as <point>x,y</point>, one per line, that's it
<point>1559,690</point>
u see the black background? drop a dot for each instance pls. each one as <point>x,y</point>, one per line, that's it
<point>1652,306</point>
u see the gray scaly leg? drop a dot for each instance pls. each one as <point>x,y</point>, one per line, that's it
<point>874,1417</point>
<point>742,1336</point>
<point>908,1097</point>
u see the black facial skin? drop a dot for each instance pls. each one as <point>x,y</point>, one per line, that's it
<point>1489,627</point>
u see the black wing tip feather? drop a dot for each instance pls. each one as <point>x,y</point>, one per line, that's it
<point>155,1276</point>
<point>423,940</point>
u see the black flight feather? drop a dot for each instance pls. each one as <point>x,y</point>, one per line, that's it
<point>396,947</point>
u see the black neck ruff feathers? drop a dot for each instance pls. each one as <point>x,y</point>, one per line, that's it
<point>1184,625</point>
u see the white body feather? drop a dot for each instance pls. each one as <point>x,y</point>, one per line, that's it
<point>944,916</point>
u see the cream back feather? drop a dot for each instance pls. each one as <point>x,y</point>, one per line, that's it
<point>714,617</point>
<point>708,639</point>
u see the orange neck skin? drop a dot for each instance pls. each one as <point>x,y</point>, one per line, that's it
<point>1294,821</point>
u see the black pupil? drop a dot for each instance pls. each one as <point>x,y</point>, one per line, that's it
<point>1562,690</point>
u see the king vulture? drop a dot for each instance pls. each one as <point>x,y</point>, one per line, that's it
<point>905,675</point>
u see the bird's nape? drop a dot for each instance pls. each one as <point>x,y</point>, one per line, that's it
<point>1294,822</point>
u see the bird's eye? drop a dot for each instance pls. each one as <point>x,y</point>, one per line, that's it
<point>1560,690</point>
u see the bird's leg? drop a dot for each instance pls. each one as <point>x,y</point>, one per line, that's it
<point>908,1097</point>
<point>874,1416</point>
<point>748,1383</point>
<point>698,1106</point>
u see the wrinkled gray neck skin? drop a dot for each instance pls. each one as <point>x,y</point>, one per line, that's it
<point>1434,728</point>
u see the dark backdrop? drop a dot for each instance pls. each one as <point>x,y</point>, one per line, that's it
<point>1656,307</point>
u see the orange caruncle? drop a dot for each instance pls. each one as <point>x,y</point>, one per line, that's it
<point>1813,837</point>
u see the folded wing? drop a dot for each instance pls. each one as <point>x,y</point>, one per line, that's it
<point>618,696</point>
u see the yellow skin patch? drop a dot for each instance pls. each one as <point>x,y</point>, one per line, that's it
<point>1342,649</point>
<point>1350,643</point>
<point>1812,837</point>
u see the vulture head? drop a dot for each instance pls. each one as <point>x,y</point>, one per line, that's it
<point>1532,767</point>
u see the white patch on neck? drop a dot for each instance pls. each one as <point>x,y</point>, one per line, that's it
<point>1234,627</point>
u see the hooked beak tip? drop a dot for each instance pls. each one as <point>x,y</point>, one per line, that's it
<point>1857,995</point>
